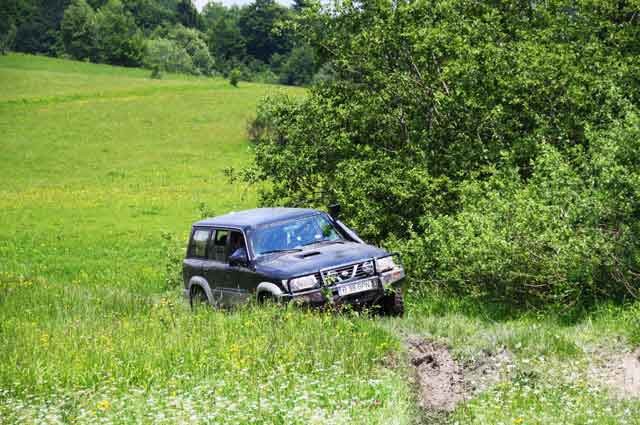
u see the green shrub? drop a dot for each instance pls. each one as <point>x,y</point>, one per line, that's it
<point>192,41</point>
<point>173,254</point>
<point>234,77</point>
<point>565,235</point>
<point>167,55</point>
<point>156,73</point>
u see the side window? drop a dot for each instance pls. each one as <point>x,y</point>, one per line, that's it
<point>236,242</point>
<point>198,247</point>
<point>218,250</point>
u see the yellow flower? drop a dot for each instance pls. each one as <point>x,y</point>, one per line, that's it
<point>518,421</point>
<point>104,405</point>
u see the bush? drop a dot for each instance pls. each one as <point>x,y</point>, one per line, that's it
<point>566,235</point>
<point>234,77</point>
<point>168,56</point>
<point>156,73</point>
<point>193,42</point>
<point>173,252</point>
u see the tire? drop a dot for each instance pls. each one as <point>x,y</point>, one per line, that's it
<point>266,298</point>
<point>393,304</point>
<point>198,298</point>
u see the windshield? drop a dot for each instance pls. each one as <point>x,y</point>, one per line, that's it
<point>293,234</point>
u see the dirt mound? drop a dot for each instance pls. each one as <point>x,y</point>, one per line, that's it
<point>619,372</point>
<point>442,383</point>
<point>439,378</point>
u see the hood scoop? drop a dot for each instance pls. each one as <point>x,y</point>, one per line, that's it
<point>308,254</point>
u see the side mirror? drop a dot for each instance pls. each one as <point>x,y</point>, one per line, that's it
<point>334,211</point>
<point>239,258</point>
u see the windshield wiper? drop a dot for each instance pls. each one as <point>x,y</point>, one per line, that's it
<point>281,250</point>
<point>323,241</point>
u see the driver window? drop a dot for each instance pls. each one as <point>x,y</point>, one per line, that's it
<point>236,242</point>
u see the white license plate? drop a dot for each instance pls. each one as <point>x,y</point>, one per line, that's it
<point>365,285</point>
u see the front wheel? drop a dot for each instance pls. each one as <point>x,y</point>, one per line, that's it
<point>393,304</point>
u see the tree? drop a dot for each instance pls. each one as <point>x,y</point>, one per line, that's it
<point>78,30</point>
<point>225,40</point>
<point>211,12</point>
<point>187,14</point>
<point>192,41</point>
<point>118,40</point>
<point>150,14</point>
<point>299,5</point>
<point>261,26</point>
<point>299,66</point>
<point>166,55</point>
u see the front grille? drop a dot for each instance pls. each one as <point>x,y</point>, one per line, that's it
<point>347,273</point>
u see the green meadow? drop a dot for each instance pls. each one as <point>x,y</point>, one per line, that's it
<point>102,172</point>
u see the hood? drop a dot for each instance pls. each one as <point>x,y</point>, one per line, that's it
<point>315,257</point>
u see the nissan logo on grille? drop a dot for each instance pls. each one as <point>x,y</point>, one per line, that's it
<point>348,273</point>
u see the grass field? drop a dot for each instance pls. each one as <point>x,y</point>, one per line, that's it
<point>103,170</point>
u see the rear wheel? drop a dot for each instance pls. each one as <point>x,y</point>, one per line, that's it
<point>393,304</point>
<point>198,298</point>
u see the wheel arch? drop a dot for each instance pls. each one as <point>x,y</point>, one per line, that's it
<point>200,282</point>
<point>269,288</point>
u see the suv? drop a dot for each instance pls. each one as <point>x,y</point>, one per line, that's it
<point>285,254</point>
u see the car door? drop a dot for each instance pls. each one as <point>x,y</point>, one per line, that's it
<point>242,277</point>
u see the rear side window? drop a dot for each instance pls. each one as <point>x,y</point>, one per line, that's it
<point>198,247</point>
<point>218,250</point>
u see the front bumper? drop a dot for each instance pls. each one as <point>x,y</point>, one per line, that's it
<point>329,295</point>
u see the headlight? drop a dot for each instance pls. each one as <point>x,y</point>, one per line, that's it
<point>385,264</point>
<point>302,283</point>
<point>389,270</point>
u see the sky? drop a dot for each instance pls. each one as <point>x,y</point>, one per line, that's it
<point>200,3</point>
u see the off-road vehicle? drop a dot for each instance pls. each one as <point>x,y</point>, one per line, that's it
<point>288,254</point>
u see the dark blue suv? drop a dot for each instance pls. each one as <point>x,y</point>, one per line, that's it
<point>283,254</point>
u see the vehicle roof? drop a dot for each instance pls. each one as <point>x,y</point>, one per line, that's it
<point>255,217</point>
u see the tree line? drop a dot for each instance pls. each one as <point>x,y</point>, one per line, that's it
<point>256,41</point>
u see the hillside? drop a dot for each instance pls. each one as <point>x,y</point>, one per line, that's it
<point>103,170</point>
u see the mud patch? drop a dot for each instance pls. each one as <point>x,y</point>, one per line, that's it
<point>439,378</point>
<point>619,372</point>
<point>442,383</point>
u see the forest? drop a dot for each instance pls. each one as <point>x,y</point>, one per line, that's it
<point>255,42</point>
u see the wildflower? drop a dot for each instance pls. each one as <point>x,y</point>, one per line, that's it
<point>518,421</point>
<point>44,339</point>
<point>104,405</point>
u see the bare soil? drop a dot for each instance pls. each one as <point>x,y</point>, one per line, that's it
<point>439,377</point>
<point>620,372</point>
<point>443,383</point>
